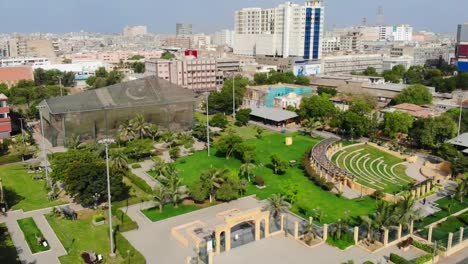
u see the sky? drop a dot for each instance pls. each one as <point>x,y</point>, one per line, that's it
<point>110,16</point>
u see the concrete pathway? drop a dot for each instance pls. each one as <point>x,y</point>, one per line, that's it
<point>430,207</point>
<point>141,172</point>
<point>24,252</point>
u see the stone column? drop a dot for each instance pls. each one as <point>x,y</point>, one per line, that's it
<point>210,257</point>
<point>461,235</point>
<point>429,234</point>
<point>228,239</point>
<point>428,186</point>
<point>449,242</point>
<point>411,227</point>
<point>282,222</point>
<point>296,230</point>
<point>257,230</point>
<point>400,228</point>
<point>311,219</point>
<point>340,187</point>
<point>418,191</point>
<point>356,235</point>
<point>423,189</point>
<point>325,232</point>
<point>385,237</point>
<point>218,243</point>
<point>413,193</point>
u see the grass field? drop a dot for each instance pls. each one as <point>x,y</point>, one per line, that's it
<point>309,195</point>
<point>448,206</point>
<point>374,168</point>
<point>80,236</point>
<point>8,252</point>
<point>169,211</point>
<point>31,232</point>
<point>22,192</point>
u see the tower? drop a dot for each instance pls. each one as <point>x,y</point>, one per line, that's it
<point>380,16</point>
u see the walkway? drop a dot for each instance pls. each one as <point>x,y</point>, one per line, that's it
<point>24,253</point>
<point>141,172</point>
<point>431,207</point>
<point>413,169</point>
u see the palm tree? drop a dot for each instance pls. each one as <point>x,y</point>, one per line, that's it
<point>340,228</point>
<point>22,149</point>
<point>168,173</point>
<point>160,195</point>
<point>404,210</point>
<point>462,189</point>
<point>214,178</point>
<point>243,184</point>
<point>158,165</point>
<point>370,227</point>
<point>153,131</point>
<point>312,124</point>
<point>384,214</point>
<point>140,127</point>
<point>176,191</point>
<point>310,231</point>
<point>247,169</point>
<point>277,205</point>
<point>126,131</point>
<point>119,160</point>
<point>74,141</point>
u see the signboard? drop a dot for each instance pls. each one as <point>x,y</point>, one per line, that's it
<point>306,69</point>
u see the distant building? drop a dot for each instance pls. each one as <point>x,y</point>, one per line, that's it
<point>298,65</point>
<point>349,63</point>
<point>12,75</point>
<point>20,47</point>
<point>29,61</point>
<point>82,69</point>
<point>224,37</point>
<point>265,95</point>
<point>179,42</point>
<point>5,121</point>
<point>286,30</point>
<point>183,29</point>
<point>133,31</point>
<point>390,62</point>
<point>461,53</point>
<point>413,110</point>
<point>402,33</point>
<point>422,54</point>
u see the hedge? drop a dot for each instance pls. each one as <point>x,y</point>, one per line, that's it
<point>422,246</point>
<point>397,259</point>
<point>9,159</point>
<point>140,183</point>
<point>422,259</point>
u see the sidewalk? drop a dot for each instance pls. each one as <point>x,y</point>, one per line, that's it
<point>141,172</point>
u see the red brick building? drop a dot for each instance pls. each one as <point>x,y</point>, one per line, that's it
<point>5,121</point>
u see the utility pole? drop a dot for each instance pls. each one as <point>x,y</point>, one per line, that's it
<point>60,84</point>
<point>233,97</point>
<point>207,124</point>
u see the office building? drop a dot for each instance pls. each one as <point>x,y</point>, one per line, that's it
<point>402,33</point>
<point>461,53</point>
<point>352,63</point>
<point>5,121</point>
<point>31,61</point>
<point>422,55</point>
<point>179,42</point>
<point>224,37</point>
<point>20,47</point>
<point>288,30</point>
<point>133,31</point>
<point>183,29</point>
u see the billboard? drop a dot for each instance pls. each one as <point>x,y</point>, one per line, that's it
<point>306,69</point>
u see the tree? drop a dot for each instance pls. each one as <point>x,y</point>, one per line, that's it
<point>61,161</point>
<point>339,228</point>
<point>311,124</point>
<point>355,125</point>
<point>226,144</point>
<point>174,153</point>
<point>167,55</point>
<point>302,80</point>
<point>247,169</point>
<point>461,191</point>
<point>310,232</point>
<point>23,149</point>
<point>229,190</point>
<point>317,107</point>
<point>415,94</point>
<point>326,90</point>
<point>369,223</point>
<point>277,205</point>
<point>279,165</point>
<point>219,120</point>
<point>119,160</point>
<point>136,57</point>
<point>397,122</point>
<point>138,67</point>
<point>125,131</point>
<point>261,78</point>
<point>222,101</point>
<point>153,131</point>
<point>363,104</point>
<point>462,80</point>
<point>405,212</point>
<point>243,117</point>
<point>414,75</point>
<point>138,149</point>
<point>213,179</point>
<point>199,192</point>
<point>370,71</point>
<point>176,191</point>
<point>139,126</point>
<point>259,132</point>
<point>160,195</point>
<point>200,132</point>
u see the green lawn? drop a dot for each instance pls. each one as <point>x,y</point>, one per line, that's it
<point>345,242</point>
<point>80,235</point>
<point>22,192</point>
<point>8,252</point>
<point>309,195</point>
<point>368,172</point>
<point>169,211</point>
<point>31,233</point>
<point>445,204</point>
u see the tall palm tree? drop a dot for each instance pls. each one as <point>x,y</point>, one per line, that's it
<point>119,160</point>
<point>404,210</point>
<point>312,124</point>
<point>176,191</point>
<point>153,131</point>
<point>276,205</point>
<point>168,173</point>
<point>384,214</point>
<point>340,228</point>
<point>160,195</point>
<point>74,141</point>
<point>214,178</point>
<point>247,169</point>
<point>311,230</point>
<point>126,131</point>
<point>140,127</point>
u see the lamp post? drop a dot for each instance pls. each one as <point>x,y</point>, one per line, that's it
<point>207,124</point>
<point>461,97</point>
<point>106,142</point>
<point>49,183</point>
<point>60,84</point>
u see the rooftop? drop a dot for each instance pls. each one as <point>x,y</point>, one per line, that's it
<point>141,92</point>
<point>408,107</point>
<point>461,140</point>
<point>273,114</point>
<point>16,73</point>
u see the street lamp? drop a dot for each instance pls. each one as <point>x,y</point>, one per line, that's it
<point>40,107</point>
<point>106,142</point>
<point>233,98</point>
<point>60,84</point>
<point>207,124</point>
<point>461,97</point>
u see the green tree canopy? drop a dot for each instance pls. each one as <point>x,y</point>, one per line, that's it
<point>317,107</point>
<point>397,122</point>
<point>222,101</point>
<point>327,90</point>
<point>167,55</point>
<point>415,94</point>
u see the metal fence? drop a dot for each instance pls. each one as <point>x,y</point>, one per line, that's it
<point>393,233</point>
<point>275,224</point>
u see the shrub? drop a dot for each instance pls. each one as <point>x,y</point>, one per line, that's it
<point>174,153</point>
<point>98,218</point>
<point>9,159</point>
<point>199,192</point>
<point>136,166</point>
<point>398,259</point>
<point>140,183</point>
<point>368,262</point>
<point>259,181</point>
<point>422,259</point>
<point>422,246</point>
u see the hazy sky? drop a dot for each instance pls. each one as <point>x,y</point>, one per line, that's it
<point>210,15</point>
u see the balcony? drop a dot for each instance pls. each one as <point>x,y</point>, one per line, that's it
<point>4,109</point>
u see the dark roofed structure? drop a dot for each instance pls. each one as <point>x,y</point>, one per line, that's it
<point>98,113</point>
<point>275,116</point>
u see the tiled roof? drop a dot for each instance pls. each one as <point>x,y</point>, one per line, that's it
<point>409,107</point>
<point>16,73</point>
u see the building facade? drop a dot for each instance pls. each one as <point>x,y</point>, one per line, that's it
<point>183,29</point>
<point>396,33</point>
<point>284,31</point>
<point>5,121</point>
<point>224,37</point>
<point>133,31</point>
<point>196,74</point>
<point>350,63</point>
<point>461,53</point>
<point>12,75</point>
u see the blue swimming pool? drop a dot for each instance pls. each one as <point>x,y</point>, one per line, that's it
<point>281,91</point>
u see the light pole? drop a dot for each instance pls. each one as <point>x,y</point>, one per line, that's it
<point>461,97</point>
<point>233,97</point>
<point>40,107</point>
<point>207,124</point>
<point>106,142</point>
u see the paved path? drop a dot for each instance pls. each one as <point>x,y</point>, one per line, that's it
<point>141,172</point>
<point>430,207</point>
<point>24,253</point>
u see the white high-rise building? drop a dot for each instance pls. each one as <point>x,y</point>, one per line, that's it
<point>224,37</point>
<point>396,33</point>
<point>288,30</point>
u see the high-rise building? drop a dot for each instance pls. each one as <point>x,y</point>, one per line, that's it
<point>183,29</point>
<point>461,52</point>
<point>224,37</point>
<point>396,33</point>
<point>133,31</point>
<point>20,47</point>
<point>288,30</point>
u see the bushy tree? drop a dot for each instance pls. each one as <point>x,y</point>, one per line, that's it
<point>167,55</point>
<point>138,67</point>
<point>279,165</point>
<point>227,144</point>
<point>397,122</point>
<point>415,94</point>
<point>139,148</point>
<point>370,71</point>
<point>219,120</point>
<point>327,90</point>
<point>433,132</point>
<point>243,117</point>
<point>222,101</point>
<point>317,107</point>
<point>60,161</point>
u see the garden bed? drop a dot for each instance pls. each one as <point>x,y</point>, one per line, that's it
<point>33,235</point>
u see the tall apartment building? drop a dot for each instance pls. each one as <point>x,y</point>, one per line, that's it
<point>179,42</point>
<point>224,37</point>
<point>195,74</point>
<point>422,54</point>
<point>396,33</point>
<point>461,53</point>
<point>183,29</point>
<point>20,47</point>
<point>133,31</point>
<point>5,121</point>
<point>288,30</point>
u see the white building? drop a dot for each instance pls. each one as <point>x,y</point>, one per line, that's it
<point>396,33</point>
<point>31,61</point>
<point>82,69</point>
<point>287,30</point>
<point>351,63</point>
<point>224,37</point>
<point>133,31</point>
<point>390,62</point>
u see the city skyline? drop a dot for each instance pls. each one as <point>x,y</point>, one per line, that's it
<point>112,17</point>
